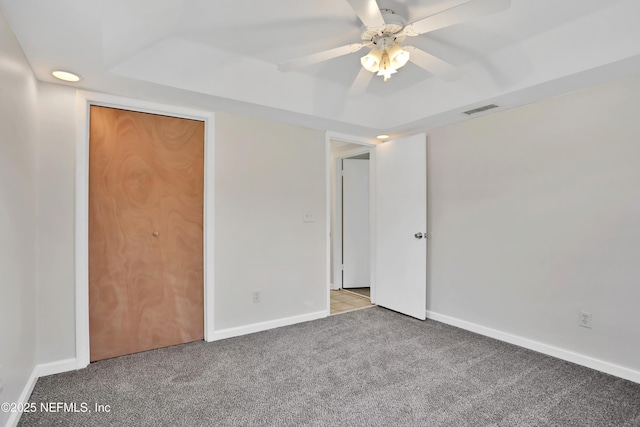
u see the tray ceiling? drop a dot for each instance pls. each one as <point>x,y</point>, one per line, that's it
<point>218,54</point>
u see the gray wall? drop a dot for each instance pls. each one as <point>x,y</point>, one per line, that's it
<point>535,215</point>
<point>18,146</point>
<point>56,204</point>
<point>267,176</point>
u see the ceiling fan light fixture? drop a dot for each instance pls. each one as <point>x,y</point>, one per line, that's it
<point>385,61</point>
<point>386,69</point>
<point>399,57</point>
<point>371,61</point>
<point>387,73</point>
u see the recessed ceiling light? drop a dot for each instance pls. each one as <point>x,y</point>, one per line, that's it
<point>382,136</point>
<point>66,76</point>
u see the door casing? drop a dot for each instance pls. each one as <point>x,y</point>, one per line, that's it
<point>83,101</point>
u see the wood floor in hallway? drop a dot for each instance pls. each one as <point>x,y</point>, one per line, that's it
<point>343,301</point>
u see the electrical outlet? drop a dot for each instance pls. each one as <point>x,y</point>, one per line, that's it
<point>585,319</point>
<point>308,217</point>
<point>256,296</point>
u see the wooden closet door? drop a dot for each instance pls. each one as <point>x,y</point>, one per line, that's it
<point>146,181</point>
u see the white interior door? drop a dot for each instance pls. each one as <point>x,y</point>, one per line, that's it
<point>400,216</point>
<point>355,223</point>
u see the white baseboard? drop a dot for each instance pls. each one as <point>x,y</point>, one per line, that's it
<point>45,369</point>
<point>24,397</point>
<point>41,370</point>
<point>569,356</point>
<point>263,326</point>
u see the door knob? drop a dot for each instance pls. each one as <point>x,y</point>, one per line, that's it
<point>418,235</point>
<point>156,233</point>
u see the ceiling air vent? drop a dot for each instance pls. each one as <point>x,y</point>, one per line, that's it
<point>480,109</point>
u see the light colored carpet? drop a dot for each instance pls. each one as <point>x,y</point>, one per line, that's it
<point>370,367</point>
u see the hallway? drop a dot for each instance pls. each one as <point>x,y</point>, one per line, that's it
<point>343,301</point>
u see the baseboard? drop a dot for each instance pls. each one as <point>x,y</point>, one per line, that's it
<point>41,370</point>
<point>569,356</point>
<point>24,397</point>
<point>45,369</point>
<point>263,326</point>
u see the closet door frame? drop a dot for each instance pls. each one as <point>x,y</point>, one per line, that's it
<point>83,102</point>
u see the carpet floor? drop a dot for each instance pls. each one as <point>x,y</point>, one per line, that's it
<point>369,367</point>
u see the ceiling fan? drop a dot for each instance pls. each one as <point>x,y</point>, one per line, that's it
<point>385,33</point>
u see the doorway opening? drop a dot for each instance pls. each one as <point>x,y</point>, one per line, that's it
<point>350,272</point>
<point>398,222</point>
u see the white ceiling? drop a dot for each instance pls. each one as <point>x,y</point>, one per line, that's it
<point>223,54</point>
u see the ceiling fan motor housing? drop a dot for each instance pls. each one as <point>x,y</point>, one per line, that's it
<point>393,24</point>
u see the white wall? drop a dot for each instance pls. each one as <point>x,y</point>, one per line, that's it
<point>56,202</point>
<point>535,215</point>
<point>18,145</point>
<point>267,176</point>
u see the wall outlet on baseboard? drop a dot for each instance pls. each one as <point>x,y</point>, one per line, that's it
<point>256,296</point>
<point>585,319</point>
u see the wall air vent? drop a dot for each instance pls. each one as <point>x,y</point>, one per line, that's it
<point>480,109</point>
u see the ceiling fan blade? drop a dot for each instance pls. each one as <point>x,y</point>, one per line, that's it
<point>432,64</point>
<point>361,83</point>
<point>319,57</point>
<point>456,15</point>
<point>368,12</point>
